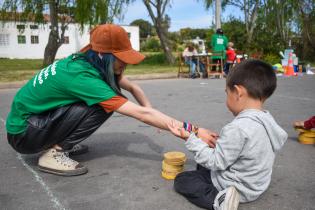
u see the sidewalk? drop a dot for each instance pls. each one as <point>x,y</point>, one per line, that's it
<point>18,84</point>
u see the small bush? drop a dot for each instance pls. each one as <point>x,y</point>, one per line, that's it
<point>272,58</point>
<point>156,58</point>
<point>152,44</point>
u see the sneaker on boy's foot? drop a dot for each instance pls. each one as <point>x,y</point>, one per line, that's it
<point>227,199</point>
<point>58,162</point>
<point>78,149</point>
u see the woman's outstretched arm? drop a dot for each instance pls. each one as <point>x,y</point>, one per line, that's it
<point>160,120</point>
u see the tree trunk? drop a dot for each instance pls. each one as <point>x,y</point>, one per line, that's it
<point>218,14</point>
<point>164,43</point>
<point>157,21</point>
<point>54,40</point>
<point>252,23</point>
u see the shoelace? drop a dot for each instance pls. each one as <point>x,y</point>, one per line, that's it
<point>63,157</point>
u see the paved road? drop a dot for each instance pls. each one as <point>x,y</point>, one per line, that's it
<point>125,155</point>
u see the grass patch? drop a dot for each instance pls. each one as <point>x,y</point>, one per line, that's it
<point>149,69</point>
<point>24,69</point>
<point>20,64</point>
<point>18,75</point>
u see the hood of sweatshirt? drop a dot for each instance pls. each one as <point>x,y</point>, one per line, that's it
<point>277,135</point>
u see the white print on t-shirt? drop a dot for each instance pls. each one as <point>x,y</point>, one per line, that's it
<point>45,72</point>
<point>220,41</point>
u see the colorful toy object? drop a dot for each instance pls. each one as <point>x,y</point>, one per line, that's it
<point>306,136</point>
<point>173,164</point>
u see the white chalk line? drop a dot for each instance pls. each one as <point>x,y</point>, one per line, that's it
<point>56,202</point>
<point>53,198</point>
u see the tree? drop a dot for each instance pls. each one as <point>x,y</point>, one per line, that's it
<point>146,28</point>
<point>63,12</point>
<point>287,21</point>
<point>190,33</point>
<point>250,9</point>
<point>306,11</point>
<point>161,22</point>
<point>234,29</point>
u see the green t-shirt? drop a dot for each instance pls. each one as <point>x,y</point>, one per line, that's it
<point>64,82</point>
<point>219,43</point>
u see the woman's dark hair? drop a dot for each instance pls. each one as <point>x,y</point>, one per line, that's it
<point>256,76</point>
<point>105,65</point>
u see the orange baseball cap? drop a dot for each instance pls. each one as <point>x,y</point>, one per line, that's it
<point>110,38</point>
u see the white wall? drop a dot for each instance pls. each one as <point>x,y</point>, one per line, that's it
<point>77,40</point>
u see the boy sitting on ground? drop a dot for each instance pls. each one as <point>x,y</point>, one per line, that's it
<point>239,167</point>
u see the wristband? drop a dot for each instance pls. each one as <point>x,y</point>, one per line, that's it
<point>190,128</point>
<point>187,126</point>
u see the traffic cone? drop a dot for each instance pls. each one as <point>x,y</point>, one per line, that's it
<point>289,69</point>
<point>238,59</point>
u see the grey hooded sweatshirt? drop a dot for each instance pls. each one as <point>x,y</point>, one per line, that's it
<point>244,153</point>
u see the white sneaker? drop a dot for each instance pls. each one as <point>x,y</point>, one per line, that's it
<point>227,199</point>
<point>58,162</point>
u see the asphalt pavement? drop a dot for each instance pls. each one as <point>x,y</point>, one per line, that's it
<point>126,155</point>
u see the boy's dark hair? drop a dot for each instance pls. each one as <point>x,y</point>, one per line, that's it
<point>256,76</point>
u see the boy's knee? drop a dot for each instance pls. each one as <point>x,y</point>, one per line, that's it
<point>179,181</point>
<point>185,183</point>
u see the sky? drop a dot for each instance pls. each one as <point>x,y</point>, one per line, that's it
<point>183,14</point>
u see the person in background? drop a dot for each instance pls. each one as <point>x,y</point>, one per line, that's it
<point>219,44</point>
<point>307,124</point>
<point>188,54</point>
<point>230,58</point>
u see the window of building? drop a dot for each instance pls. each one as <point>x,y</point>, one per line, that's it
<point>20,27</point>
<point>33,26</point>
<point>21,39</point>
<point>66,27</point>
<point>129,35</point>
<point>66,40</point>
<point>4,39</point>
<point>34,40</point>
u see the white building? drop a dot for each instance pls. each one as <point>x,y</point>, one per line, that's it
<point>28,40</point>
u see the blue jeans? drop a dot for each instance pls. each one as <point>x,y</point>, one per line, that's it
<point>227,67</point>
<point>192,65</point>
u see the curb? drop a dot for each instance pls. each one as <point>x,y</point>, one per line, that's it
<point>152,76</point>
<point>18,84</point>
<point>9,85</point>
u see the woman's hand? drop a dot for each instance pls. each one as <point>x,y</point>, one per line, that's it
<point>178,131</point>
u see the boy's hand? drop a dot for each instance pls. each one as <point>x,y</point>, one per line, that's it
<point>208,136</point>
<point>299,124</point>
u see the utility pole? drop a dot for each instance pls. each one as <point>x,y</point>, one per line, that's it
<point>217,14</point>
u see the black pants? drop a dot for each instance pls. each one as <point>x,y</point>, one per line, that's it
<point>65,126</point>
<point>197,187</point>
